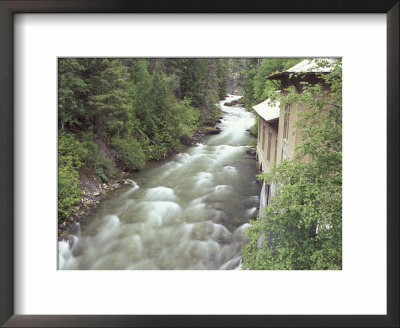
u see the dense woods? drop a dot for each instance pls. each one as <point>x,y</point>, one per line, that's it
<point>253,76</point>
<point>120,113</point>
<point>252,79</point>
<point>116,114</point>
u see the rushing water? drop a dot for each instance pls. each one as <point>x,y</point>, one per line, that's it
<point>187,212</point>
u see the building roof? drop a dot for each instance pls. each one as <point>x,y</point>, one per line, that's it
<point>313,65</point>
<point>307,66</point>
<point>267,110</point>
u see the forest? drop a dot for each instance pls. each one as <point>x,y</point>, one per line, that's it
<point>116,114</point>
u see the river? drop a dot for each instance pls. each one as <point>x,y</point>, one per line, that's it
<point>186,212</point>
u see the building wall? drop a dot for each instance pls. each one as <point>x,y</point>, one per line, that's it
<point>290,144</point>
<point>262,153</point>
<point>294,137</point>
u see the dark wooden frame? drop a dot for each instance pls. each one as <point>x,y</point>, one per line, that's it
<point>7,10</point>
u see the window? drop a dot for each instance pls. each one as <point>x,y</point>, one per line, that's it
<point>286,122</point>
<point>263,137</point>
<point>269,145</point>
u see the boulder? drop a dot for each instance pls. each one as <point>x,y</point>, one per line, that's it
<point>127,182</point>
<point>252,151</point>
<point>231,103</point>
<point>216,130</point>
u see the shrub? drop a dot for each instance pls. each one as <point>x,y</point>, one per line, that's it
<point>188,120</point>
<point>91,147</point>
<point>71,154</point>
<point>156,152</point>
<point>71,150</point>
<point>68,191</point>
<point>129,152</point>
<point>254,128</point>
<point>104,167</point>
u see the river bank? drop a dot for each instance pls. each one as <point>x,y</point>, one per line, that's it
<point>93,190</point>
<point>185,212</point>
<point>92,194</point>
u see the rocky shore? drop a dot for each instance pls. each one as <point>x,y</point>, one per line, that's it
<point>252,151</point>
<point>91,197</point>
<point>94,191</point>
<point>200,133</point>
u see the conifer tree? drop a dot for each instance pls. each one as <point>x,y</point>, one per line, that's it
<point>222,76</point>
<point>209,110</point>
<point>71,93</point>
<point>108,100</point>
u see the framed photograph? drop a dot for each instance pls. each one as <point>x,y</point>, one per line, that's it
<point>207,96</point>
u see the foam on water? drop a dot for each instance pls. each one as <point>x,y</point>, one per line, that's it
<point>189,212</point>
<point>230,170</point>
<point>160,193</point>
<point>130,191</point>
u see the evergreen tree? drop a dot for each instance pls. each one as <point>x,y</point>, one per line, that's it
<point>194,72</point>
<point>246,81</point>
<point>108,101</point>
<point>222,77</point>
<point>71,93</point>
<point>209,110</point>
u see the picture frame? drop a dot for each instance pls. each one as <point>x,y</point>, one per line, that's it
<point>7,10</point>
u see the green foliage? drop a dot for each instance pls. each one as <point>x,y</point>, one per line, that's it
<point>71,150</point>
<point>71,155</point>
<point>71,91</point>
<point>254,75</point>
<point>129,152</point>
<point>143,107</point>
<point>302,227</point>
<point>187,118</point>
<point>247,73</point>
<point>104,167</point>
<point>191,73</point>
<point>108,102</point>
<point>202,81</point>
<point>92,149</point>
<point>254,128</point>
<point>222,77</point>
<point>68,192</point>
<point>156,149</point>
<point>167,120</point>
<point>209,111</point>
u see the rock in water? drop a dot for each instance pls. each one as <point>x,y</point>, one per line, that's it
<point>251,151</point>
<point>217,130</point>
<point>231,103</point>
<point>127,182</point>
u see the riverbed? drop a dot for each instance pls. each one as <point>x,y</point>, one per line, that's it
<point>186,212</point>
